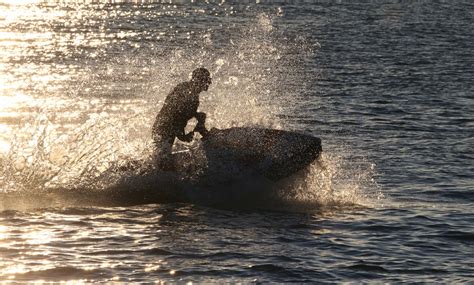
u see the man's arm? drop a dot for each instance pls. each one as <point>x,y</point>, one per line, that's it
<point>201,127</point>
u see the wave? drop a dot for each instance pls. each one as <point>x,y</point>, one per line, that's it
<point>62,273</point>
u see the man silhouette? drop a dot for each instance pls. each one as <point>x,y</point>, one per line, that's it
<point>179,107</point>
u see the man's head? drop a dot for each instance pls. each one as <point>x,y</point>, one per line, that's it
<point>201,78</point>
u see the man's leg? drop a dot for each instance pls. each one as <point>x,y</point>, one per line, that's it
<point>163,157</point>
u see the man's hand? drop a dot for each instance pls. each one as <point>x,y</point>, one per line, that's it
<point>187,138</point>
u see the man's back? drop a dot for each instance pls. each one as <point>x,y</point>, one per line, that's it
<point>179,107</point>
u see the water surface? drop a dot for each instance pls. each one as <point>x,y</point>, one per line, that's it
<point>388,87</point>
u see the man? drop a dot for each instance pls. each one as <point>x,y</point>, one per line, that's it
<point>180,106</point>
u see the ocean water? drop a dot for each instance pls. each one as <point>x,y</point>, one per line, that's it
<point>387,85</point>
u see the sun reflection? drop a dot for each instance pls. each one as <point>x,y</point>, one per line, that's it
<point>152,267</point>
<point>8,102</point>
<point>39,237</point>
<point>3,232</point>
<point>9,106</point>
<point>19,2</point>
<point>14,269</point>
<point>4,149</point>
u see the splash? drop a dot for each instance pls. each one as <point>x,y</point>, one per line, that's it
<point>99,153</point>
<point>43,156</point>
<point>333,181</point>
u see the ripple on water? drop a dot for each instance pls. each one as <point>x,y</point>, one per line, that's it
<point>63,273</point>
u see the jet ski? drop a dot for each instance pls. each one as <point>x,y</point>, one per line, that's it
<point>273,153</point>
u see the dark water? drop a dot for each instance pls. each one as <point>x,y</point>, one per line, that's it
<point>388,87</point>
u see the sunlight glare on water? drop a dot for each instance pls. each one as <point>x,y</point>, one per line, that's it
<point>19,2</point>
